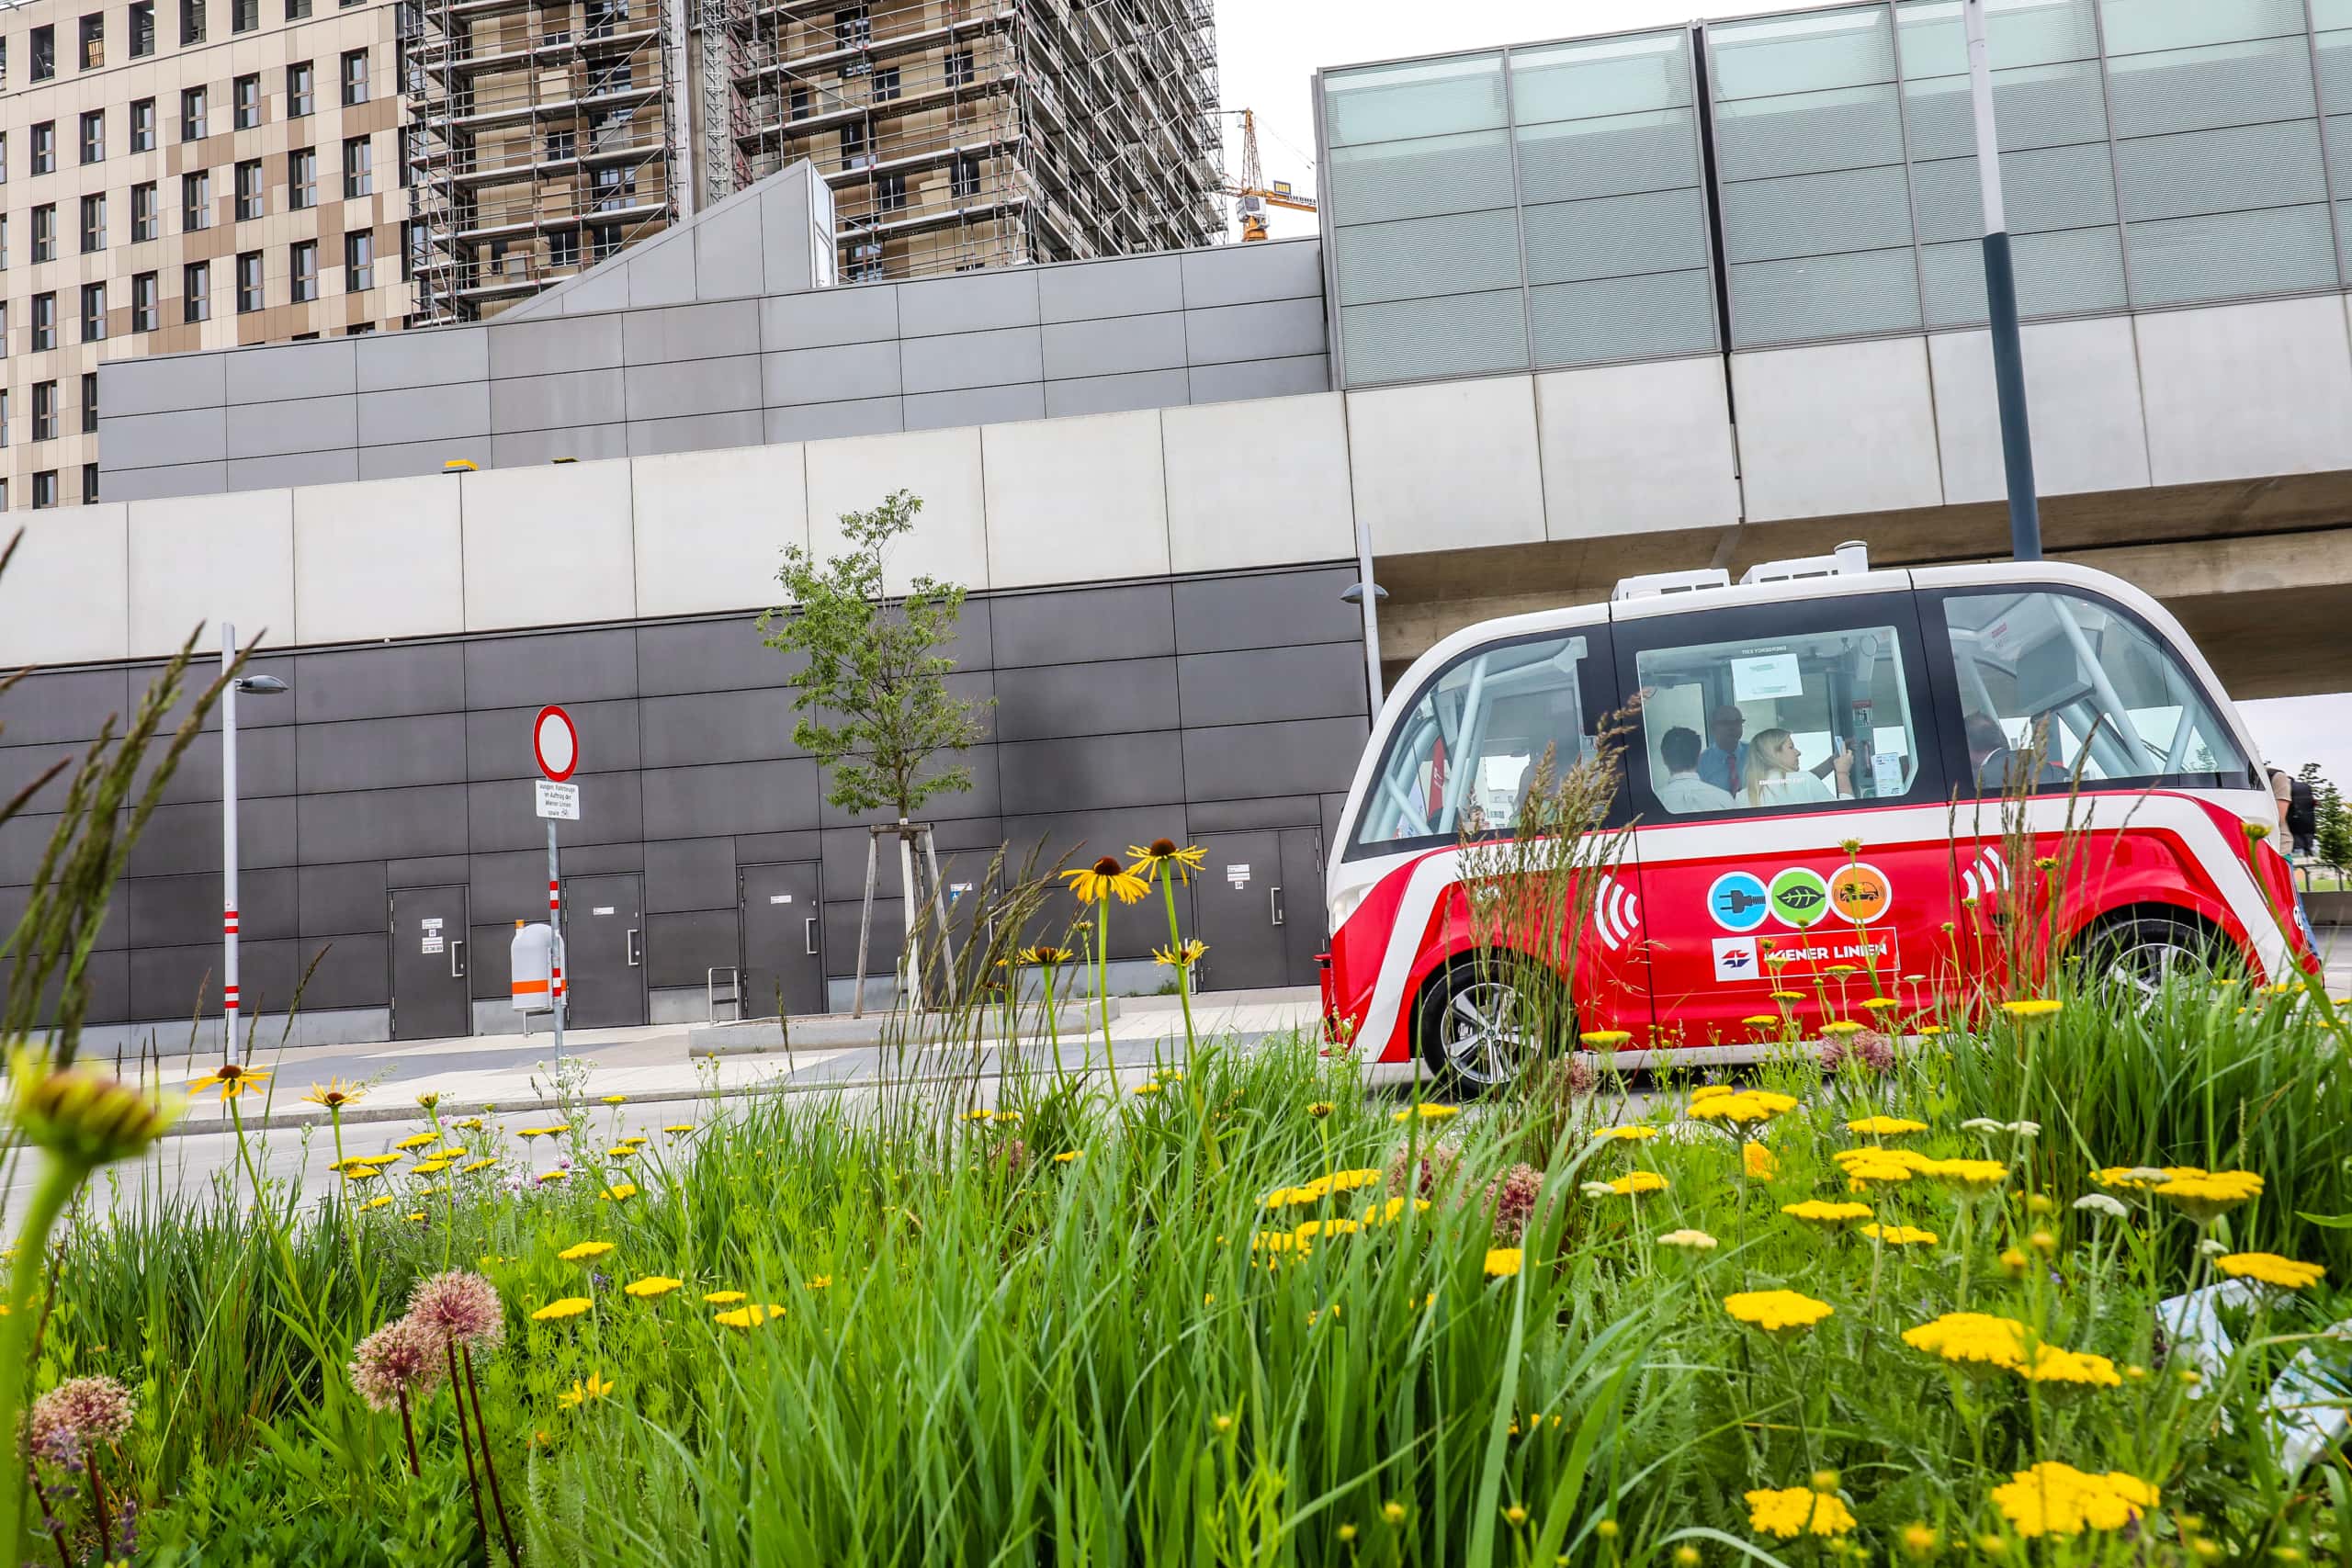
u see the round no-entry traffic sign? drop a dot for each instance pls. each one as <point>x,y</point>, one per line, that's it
<point>555,744</point>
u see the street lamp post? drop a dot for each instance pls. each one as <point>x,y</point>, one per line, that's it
<point>259,686</point>
<point>2001,302</point>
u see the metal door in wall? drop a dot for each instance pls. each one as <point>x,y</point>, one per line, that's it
<point>784,966</point>
<point>430,999</point>
<point>1300,905</point>
<point>604,951</point>
<point>1236,908</point>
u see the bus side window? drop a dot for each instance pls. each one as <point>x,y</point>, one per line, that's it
<point>2052,685</point>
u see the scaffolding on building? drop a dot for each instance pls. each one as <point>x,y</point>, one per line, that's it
<point>538,143</point>
<point>958,134</point>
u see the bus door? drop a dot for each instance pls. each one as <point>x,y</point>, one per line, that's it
<point>1791,812</point>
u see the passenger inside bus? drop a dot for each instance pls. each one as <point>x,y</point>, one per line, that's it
<point>1775,775</point>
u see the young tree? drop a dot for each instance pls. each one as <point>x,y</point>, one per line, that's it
<point>2334,840</point>
<point>873,700</point>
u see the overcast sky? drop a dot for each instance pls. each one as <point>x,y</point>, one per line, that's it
<point>1268,52</point>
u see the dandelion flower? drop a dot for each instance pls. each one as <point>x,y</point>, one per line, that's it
<point>583,1390</point>
<point>651,1286</point>
<point>2271,1270</point>
<point>560,1308</point>
<point>1814,1211</point>
<point>584,1251</point>
<point>1688,1240</point>
<point>1773,1311</point>
<point>2052,1498</point>
<point>1106,879</point>
<point>1427,1111</point>
<point>1899,1236</point>
<point>1885,1126</point>
<point>402,1357</point>
<point>750,1317</point>
<point>1791,1511</point>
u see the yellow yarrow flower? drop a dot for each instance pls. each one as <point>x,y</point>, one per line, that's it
<point>1815,1211</point>
<point>722,1297</point>
<point>1774,1311</point>
<point>750,1317</point>
<point>2205,1196</point>
<point>1626,1134</point>
<point>1758,1162</point>
<point>1502,1262</point>
<point>1427,1111</point>
<point>417,1142</point>
<point>1885,1126</point>
<point>1791,1511</point>
<point>1067,1156</point>
<point>2030,1006</point>
<point>2052,1498</point>
<point>1971,1338</point>
<point>2052,1365</point>
<point>1900,1235</point>
<point>1605,1039</point>
<point>583,1252</point>
<point>1974,1175</point>
<point>1635,1183</point>
<point>651,1286</point>
<point>2271,1270</point>
<point>561,1307</point>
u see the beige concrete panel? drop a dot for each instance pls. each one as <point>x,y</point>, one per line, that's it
<point>711,526</point>
<point>950,537</point>
<point>2239,391</point>
<point>1447,465</point>
<point>1833,428</point>
<point>381,560</point>
<point>2082,393</point>
<point>63,597</point>
<point>548,544</point>
<point>201,559</point>
<point>1262,483</point>
<point>1632,448</point>
<point>1079,500</point>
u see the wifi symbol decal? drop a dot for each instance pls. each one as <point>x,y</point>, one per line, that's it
<point>1985,875</point>
<point>1616,914</point>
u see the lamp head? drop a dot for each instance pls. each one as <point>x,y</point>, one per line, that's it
<point>260,685</point>
<point>1353,593</point>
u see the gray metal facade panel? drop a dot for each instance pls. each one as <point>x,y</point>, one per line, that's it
<point>267,766</point>
<point>556,667</point>
<point>340,466</point>
<point>869,313</point>
<point>840,373</point>
<point>377,824</point>
<point>1122,286</point>
<point>707,656</point>
<point>731,797</point>
<point>418,457</point>
<point>1242,275</point>
<point>1119,394</point>
<point>694,386</point>
<point>425,413</point>
<point>158,484</point>
<point>314,425</point>
<point>336,899</point>
<point>1061,775</point>
<point>165,439</point>
<point>376,753</point>
<point>586,443</point>
<point>498,740</point>
<point>501,813</point>
<point>1047,702</point>
<point>719,726</point>
<point>695,433</point>
<point>327,368</point>
<point>1135,621</point>
<point>1261,379</point>
<point>1115,345</point>
<point>690,873</point>
<point>445,358</point>
<point>690,332</point>
<point>380,682</point>
<point>954,362</point>
<point>554,347</point>
<point>823,422</point>
<point>1261,685</point>
<point>63,704</point>
<point>570,398</point>
<point>1212,614</point>
<point>974,405</point>
<point>969,302</point>
<point>166,384</point>
<point>1274,330</point>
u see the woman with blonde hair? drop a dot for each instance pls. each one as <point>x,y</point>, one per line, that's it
<point>1775,775</point>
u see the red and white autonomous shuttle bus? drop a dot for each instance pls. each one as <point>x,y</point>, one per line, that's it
<point>1815,704</point>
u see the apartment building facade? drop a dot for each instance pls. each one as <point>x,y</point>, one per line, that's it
<point>179,174</point>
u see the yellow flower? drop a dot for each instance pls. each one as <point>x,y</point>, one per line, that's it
<point>1306,1228</point>
<point>580,1392</point>
<point>1773,1311</point>
<point>621,1192</point>
<point>1814,1211</point>
<point>429,1167</point>
<point>478,1167</point>
<point>1791,1511</point>
<point>1427,1111</point>
<point>228,1081</point>
<point>2030,1006</point>
<point>1605,1039</point>
<point>561,1307</point>
<point>979,1114</point>
<point>1147,1089</point>
<point>1627,1134</point>
<point>583,1252</point>
<point>1183,957</point>
<point>1881,1004</point>
<point>1900,1235</point>
<point>678,1129</point>
<point>2204,1196</point>
<point>621,1151</point>
<point>1971,1338</point>
<point>1758,1162</point>
<point>334,1094</point>
<point>354,1171</point>
<point>1045,954</point>
<point>747,1316</point>
<point>1163,858</point>
<point>653,1285</point>
<point>616,1099</point>
<point>1067,1156</point>
<point>1393,1511</point>
<point>1762,1021</point>
<point>430,1099</point>
<point>2057,1500</point>
<point>381,1200</point>
<point>1502,1262</point>
<point>547,1175</point>
<point>1920,1542</point>
<point>818,1283</point>
<point>2271,1270</point>
<point>417,1141</point>
<point>722,1297</point>
<point>1838,1029</point>
<point>1741,1108</point>
<point>1635,1183</point>
<point>2139,1177</point>
<point>1106,879</point>
<point>471,1124</point>
<point>1971,1174</point>
<point>1788,995</point>
<point>1688,1240</point>
<point>417,1218</point>
<point>1885,1126</point>
<point>2052,1365</point>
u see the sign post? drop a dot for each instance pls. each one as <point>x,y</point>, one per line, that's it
<point>555,747</point>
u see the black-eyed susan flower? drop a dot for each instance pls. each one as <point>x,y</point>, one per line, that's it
<point>1106,878</point>
<point>1183,957</point>
<point>229,1081</point>
<point>1045,954</point>
<point>1164,858</point>
<point>334,1094</point>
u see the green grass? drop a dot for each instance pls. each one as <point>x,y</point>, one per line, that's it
<point>1021,1360</point>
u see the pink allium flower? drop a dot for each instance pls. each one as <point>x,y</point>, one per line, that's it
<point>1511,1200</point>
<point>1875,1052</point>
<point>402,1357</point>
<point>1435,1172</point>
<point>458,1307</point>
<point>79,1414</point>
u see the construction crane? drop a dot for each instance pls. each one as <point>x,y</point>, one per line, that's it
<point>1252,193</point>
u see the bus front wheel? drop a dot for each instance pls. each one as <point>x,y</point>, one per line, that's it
<point>1485,1017</point>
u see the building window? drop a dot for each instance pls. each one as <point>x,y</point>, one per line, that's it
<point>964,180</point>
<point>4,436</point>
<point>44,411</point>
<point>245,102</point>
<point>359,168</point>
<point>195,200</point>
<point>563,248</point>
<point>142,126</point>
<point>245,16</point>
<point>853,28</point>
<point>45,233</point>
<point>145,303</point>
<point>603,244</point>
<point>3,344</point>
<point>94,137</point>
<point>89,402</point>
<point>44,323</point>
<point>359,261</point>
<point>359,329</point>
<point>799,102</point>
<point>890,193</point>
<point>142,30</point>
<point>196,292</point>
<point>299,88</point>
<point>355,78</point>
<point>44,53</point>
<point>959,68</point>
<point>249,296</point>
<point>44,490</point>
<point>302,179</point>
<point>616,188</point>
<point>192,114</point>
<point>305,267</point>
<point>297,10</point>
<point>44,147</point>
<point>90,483</point>
<point>3,157</point>
<point>4,242</point>
<point>94,224</point>
<point>853,146</point>
<point>191,22</point>
<point>249,190</point>
<point>94,313</point>
<point>886,83</point>
<point>94,41</point>
<point>562,146</point>
<point>144,225</point>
